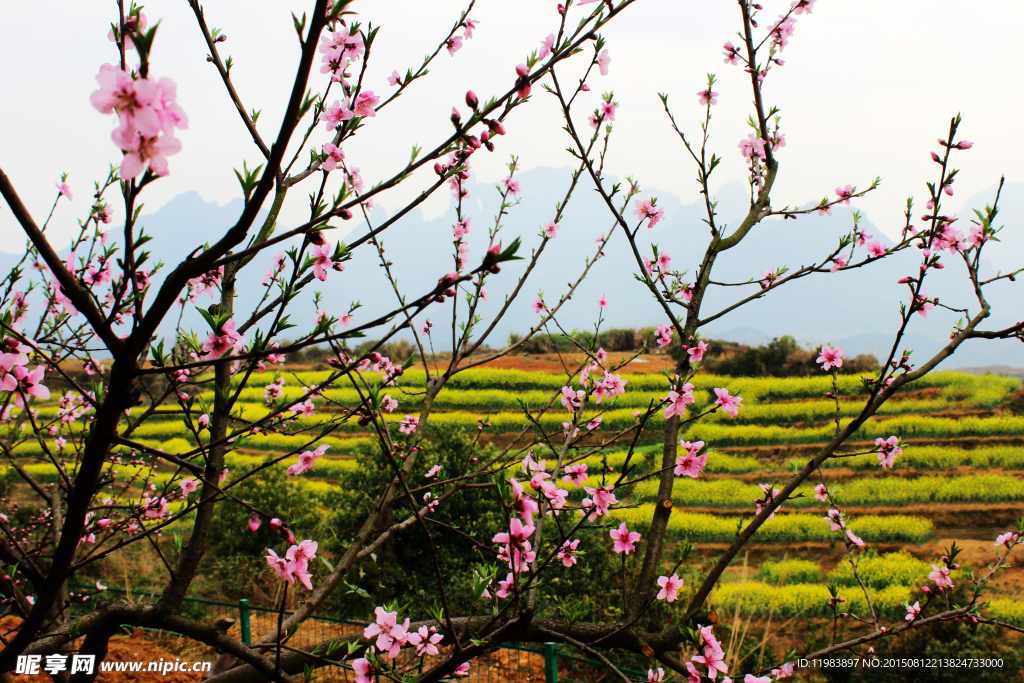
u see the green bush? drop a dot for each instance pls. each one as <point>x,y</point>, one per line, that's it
<point>276,494</point>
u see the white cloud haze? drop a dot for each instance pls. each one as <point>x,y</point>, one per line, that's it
<point>867,88</point>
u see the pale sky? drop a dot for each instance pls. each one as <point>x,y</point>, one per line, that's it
<point>867,88</point>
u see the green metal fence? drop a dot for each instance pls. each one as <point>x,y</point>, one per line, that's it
<point>514,664</point>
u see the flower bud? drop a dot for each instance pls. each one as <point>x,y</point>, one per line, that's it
<point>471,100</point>
<point>254,523</point>
<point>456,116</point>
<point>317,238</point>
<point>345,214</point>
<point>439,168</point>
<point>522,70</point>
<point>275,523</point>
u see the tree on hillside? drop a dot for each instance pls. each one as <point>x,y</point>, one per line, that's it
<point>99,369</point>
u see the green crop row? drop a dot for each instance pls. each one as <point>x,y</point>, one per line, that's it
<point>784,528</point>
<point>726,493</point>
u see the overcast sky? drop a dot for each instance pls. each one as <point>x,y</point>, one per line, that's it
<point>867,88</point>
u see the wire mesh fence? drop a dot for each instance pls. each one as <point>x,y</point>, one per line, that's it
<point>513,664</point>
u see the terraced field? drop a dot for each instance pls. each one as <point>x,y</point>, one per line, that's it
<point>960,475</point>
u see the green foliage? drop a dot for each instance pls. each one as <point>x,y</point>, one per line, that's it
<point>404,565</point>
<point>276,494</point>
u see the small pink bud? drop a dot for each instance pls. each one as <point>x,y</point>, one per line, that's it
<point>522,70</point>
<point>456,116</point>
<point>964,144</point>
<point>275,524</point>
<point>471,100</point>
<point>254,523</point>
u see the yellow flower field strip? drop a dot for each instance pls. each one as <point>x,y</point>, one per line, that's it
<point>762,599</point>
<point>791,527</point>
<point>877,571</point>
<point>889,491</point>
<point>495,400</point>
<point>942,457</point>
<point>908,427</point>
<point>757,388</point>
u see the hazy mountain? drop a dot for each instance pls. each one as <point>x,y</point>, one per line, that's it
<point>858,309</point>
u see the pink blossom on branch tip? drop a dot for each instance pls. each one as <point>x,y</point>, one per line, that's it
<point>830,358</point>
<point>730,404</point>
<point>625,539</point>
<point>670,586</point>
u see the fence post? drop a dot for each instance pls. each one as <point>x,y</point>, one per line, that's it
<point>243,618</point>
<point>551,662</point>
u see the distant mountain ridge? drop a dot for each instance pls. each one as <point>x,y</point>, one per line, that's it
<point>857,309</point>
